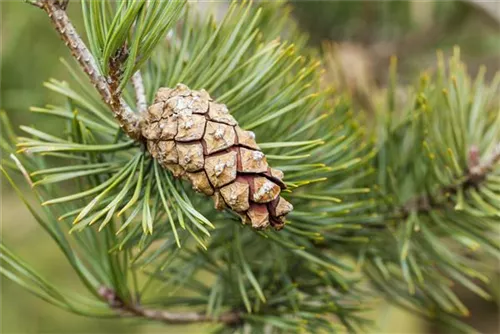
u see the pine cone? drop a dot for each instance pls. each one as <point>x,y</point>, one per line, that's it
<point>197,139</point>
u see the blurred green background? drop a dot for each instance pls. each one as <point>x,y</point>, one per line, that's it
<point>366,35</point>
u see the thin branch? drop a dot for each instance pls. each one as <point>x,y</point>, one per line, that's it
<point>126,309</point>
<point>140,92</point>
<point>128,120</point>
<point>476,173</point>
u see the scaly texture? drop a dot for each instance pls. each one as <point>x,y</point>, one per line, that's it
<point>197,139</point>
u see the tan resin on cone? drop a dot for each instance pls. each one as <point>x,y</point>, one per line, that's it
<point>197,139</point>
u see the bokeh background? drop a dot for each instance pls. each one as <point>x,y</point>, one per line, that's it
<point>357,39</point>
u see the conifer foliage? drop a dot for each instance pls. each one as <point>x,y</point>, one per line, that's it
<point>410,212</point>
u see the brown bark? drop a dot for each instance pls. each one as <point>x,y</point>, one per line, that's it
<point>135,310</point>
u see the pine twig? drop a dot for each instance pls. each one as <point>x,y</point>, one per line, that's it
<point>127,310</point>
<point>140,92</point>
<point>128,120</point>
<point>476,174</point>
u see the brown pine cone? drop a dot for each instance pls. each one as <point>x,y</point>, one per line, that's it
<point>197,139</point>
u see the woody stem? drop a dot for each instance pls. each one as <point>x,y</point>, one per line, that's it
<point>128,120</point>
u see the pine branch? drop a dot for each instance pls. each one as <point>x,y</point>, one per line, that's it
<point>140,92</point>
<point>128,120</point>
<point>126,309</point>
<point>475,174</point>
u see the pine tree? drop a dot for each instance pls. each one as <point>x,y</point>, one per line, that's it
<point>403,212</point>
